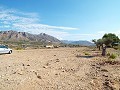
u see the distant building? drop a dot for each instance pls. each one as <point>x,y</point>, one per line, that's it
<point>49,46</point>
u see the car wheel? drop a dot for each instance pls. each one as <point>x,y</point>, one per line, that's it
<point>10,51</point>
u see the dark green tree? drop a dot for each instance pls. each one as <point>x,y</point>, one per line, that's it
<point>98,43</point>
<point>107,40</point>
<point>110,39</point>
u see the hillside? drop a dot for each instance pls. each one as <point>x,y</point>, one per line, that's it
<point>80,42</point>
<point>24,36</point>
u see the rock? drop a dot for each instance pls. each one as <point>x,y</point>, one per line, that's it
<point>39,77</point>
<point>104,70</point>
<point>44,67</point>
<point>28,65</point>
<point>105,75</point>
<point>20,73</point>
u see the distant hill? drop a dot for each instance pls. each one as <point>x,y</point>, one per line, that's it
<point>24,36</point>
<point>80,42</point>
<point>14,36</point>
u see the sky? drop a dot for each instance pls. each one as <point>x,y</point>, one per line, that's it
<point>63,19</point>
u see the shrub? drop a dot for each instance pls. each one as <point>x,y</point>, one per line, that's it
<point>116,48</point>
<point>86,53</point>
<point>108,54</point>
<point>112,56</point>
<point>19,48</point>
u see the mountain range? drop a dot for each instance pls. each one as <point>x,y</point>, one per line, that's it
<point>24,36</point>
<point>15,36</point>
<point>80,42</point>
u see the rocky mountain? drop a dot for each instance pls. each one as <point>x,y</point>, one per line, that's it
<point>80,42</point>
<point>24,36</point>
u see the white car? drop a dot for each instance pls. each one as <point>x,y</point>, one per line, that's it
<point>5,50</point>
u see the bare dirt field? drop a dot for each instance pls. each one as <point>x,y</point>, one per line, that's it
<point>58,69</point>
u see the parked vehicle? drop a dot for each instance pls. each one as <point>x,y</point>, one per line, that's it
<point>5,50</point>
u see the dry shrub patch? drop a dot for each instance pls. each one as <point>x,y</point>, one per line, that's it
<point>110,62</point>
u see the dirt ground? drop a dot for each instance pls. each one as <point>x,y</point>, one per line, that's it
<point>58,69</point>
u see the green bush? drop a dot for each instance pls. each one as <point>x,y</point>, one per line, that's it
<point>19,48</point>
<point>108,54</point>
<point>116,48</point>
<point>86,53</point>
<point>112,56</point>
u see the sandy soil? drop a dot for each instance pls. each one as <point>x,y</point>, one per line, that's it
<point>58,69</point>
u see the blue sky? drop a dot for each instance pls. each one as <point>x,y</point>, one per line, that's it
<point>64,19</point>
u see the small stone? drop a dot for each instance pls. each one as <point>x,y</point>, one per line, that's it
<point>98,67</point>
<point>44,67</point>
<point>104,70</point>
<point>47,64</point>
<point>14,72</point>
<point>56,74</point>
<point>105,75</point>
<point>35,73</point>
<point>28,65</point>
<point>23,64</point>
<point>20,73</point>
<point>39,77</point>
<point>57,60</point>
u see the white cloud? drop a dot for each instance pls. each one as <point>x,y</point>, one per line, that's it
<point>29,19</point>
<point>11,19</point>
<point>30,22</point>
<point>40,28</point>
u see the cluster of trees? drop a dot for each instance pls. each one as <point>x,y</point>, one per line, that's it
<point>109,40</point>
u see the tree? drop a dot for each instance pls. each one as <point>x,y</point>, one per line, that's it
<point>98,43</point>
<point>94,41</point>
<point>110,39</point>
<point>107,40</point>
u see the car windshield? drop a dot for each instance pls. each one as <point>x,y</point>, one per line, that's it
<point>1,46</point>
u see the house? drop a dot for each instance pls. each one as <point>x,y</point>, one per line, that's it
<point>49,46</point>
